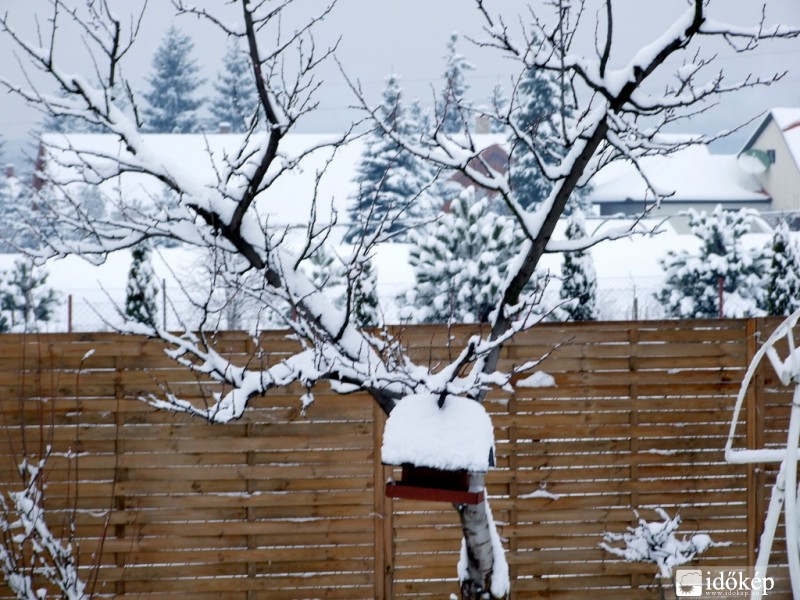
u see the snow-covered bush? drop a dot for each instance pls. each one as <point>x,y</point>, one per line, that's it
<point>692,285</point>
<point>30,553</point>
<point>655,542</point>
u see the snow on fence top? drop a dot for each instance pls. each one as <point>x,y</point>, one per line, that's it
<point>457,436</point>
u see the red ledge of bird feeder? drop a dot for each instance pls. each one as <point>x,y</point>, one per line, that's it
<point>438,448</point>
<point>436,485</point>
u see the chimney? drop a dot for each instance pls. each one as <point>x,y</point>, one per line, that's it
<point>482,124</point>
<point>224,127</point>
<point>9,171</point>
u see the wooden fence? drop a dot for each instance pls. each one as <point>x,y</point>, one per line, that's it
<point>287,504</point>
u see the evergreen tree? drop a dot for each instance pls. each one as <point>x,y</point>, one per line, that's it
<point>326,272</point>
<point>142,291</point>
<point>538,96</point>
<point>172,102</point>
<point>389,179</point>
<point>236,99</point>
<point>365,296</point>
<point>450,114</point>
<point>579,281</point>
<point>783,279</point>
<point>692,283</point>
<point>25,299</point>
<point>459,262</point>
<point>498,105</point>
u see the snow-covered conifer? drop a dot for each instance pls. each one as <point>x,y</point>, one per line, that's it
<point>540,108</point>
<point>365,296</point>
<point>691,289</point>
<point>579,281</point>
<point>236,98</point>
<point>459,260</point>
<point>783,279</point>
<point>172,102</point>
<point>451,117</point>
<point>142,291</point>
<point>498,105</point>
<point>25,299</point>
<point>326,272</point>
<point>391,181</point>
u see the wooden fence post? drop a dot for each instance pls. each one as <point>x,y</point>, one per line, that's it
<point>383,512</point>
<point>633,391</point>
<point>754,409</point>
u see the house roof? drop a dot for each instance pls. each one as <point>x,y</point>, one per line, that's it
<point>691,174</point>
<point>457,436</point>
<point>788,121</point>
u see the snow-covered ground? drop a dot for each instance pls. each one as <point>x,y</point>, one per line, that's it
<point>628,273</point>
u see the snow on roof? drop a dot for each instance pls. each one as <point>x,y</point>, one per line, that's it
<point>692,173</point>
<point>288,200</point>
<point>457,436</point>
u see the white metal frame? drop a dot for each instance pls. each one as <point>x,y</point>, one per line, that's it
<point>785,492</point>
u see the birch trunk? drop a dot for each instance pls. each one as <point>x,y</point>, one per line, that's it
<point>479,555</point>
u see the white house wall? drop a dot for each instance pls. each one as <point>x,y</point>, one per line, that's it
<point>782,179</point>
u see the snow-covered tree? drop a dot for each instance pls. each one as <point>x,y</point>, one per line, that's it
<point>579,281</point>
<point>65,123</point>
<point>498,105</point>
<point>452,112</point>
<point>25,299</point>
<point>366,308</point>
<point>536,136</point>
<point>459,261</point>
<point>172,103</point>
<point>722,267</point>
<point>235,99</point>
<point>389,178</point>
<point>221,210</point>
<point>783,278</point>
<point>327,273</point>
<point>141,293</point>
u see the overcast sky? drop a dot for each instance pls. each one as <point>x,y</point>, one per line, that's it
<point>409,37</point>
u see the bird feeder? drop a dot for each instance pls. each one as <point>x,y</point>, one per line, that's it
<point>438,448</point>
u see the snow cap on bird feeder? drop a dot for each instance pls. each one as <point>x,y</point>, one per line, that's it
<point>438,447</point>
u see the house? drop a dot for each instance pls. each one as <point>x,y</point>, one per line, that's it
<point>691,177</point>
<point>772,156</point>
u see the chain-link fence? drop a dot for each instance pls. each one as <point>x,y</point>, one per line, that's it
<point>101,310</point>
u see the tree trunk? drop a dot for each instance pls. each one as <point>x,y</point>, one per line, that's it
<point>478,561</point>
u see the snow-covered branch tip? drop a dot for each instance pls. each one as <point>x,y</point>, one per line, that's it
<point>30,553</point>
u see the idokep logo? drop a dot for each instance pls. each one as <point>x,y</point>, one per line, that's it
<point>716,582</point>
<point>689,583</point>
